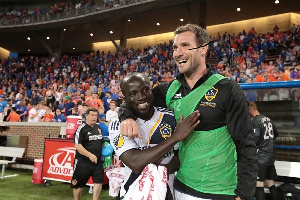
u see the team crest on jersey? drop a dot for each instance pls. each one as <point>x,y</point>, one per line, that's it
<point>165,130</point>
<point>99,130</point>
<point>118,141</point>
<point>211,94</point>
<point>74,182</point>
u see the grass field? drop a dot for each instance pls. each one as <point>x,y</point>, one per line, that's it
<point>21,188</point>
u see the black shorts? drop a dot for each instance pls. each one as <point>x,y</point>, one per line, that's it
<point>83,170</point>
<point>266,172</point>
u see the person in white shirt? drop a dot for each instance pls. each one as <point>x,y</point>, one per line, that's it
<point>33,114</point>
<point>58,94</point>
<point>112,113</point>
<point>41,110</point>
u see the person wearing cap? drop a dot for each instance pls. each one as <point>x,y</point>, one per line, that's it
<point>69,105</point>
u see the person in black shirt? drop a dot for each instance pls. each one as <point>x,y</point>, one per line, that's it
<point>88,144</point>
<point>265,134</point>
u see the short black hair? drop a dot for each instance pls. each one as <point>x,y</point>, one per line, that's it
<point>91,110</point>
<point>133,74</point>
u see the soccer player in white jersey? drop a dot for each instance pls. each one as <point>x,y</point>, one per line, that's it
<point>157,126</point>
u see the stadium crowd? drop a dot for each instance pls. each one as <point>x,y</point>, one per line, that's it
<point>50,89</point>
<point>58,10</point>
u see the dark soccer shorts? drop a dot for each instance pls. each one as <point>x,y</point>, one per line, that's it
<point>266,172</point>
<point>83,170</point>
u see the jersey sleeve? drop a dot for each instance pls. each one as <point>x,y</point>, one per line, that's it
<point>240,128</point>
<point>120,143</point>
<point>81,136</point>
<point>78,137</point>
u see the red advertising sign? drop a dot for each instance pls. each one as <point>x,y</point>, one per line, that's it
<point>58,162</point>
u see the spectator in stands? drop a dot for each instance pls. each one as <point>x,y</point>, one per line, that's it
<point>80,108</point>
<point>114,93</point>
<point>74,111</point>
<point>41,110</point>
<point>68,105</point>
<point>112,113</point>
<point>121,99</point>
<point>273,75</point>
<point>238,79</point>
<point>93,87</point>
<point>48,115</point>
<point>100,93</point>
<point>95,102</point>
<point>88,97</point>
<point>50,98</point>
<point>13,116</point>
<point>3,105</point>
<point>288,71</point>
<point>85,107</point>
<point>295,73</point>
<point>293,29</point>
<point>102,115</point>
<point>272,47</point>
<point>58,94</point>
<point>58,117</point>
<point>33,115</point>
<point>106,100</point>
<point>23,110</point>
<point>283,76</point>
<point>37,97</point>
<point>242,77</point>
<point>265,46</point>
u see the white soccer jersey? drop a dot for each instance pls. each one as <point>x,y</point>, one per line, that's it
<point>157,129</point>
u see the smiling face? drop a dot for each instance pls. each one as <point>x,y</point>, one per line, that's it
<point>138,95</point>
<point>187,60</point>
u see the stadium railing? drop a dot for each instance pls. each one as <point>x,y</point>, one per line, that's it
<point>84,10</point>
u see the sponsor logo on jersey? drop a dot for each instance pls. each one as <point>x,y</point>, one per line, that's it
<point>95,137</point>
<point>118,141</point>
<point>211,94</point>
<point>165,130</point>
<point>210,104</point>
<point>177,96</point>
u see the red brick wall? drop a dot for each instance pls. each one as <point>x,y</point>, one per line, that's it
<point>36,137</point>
